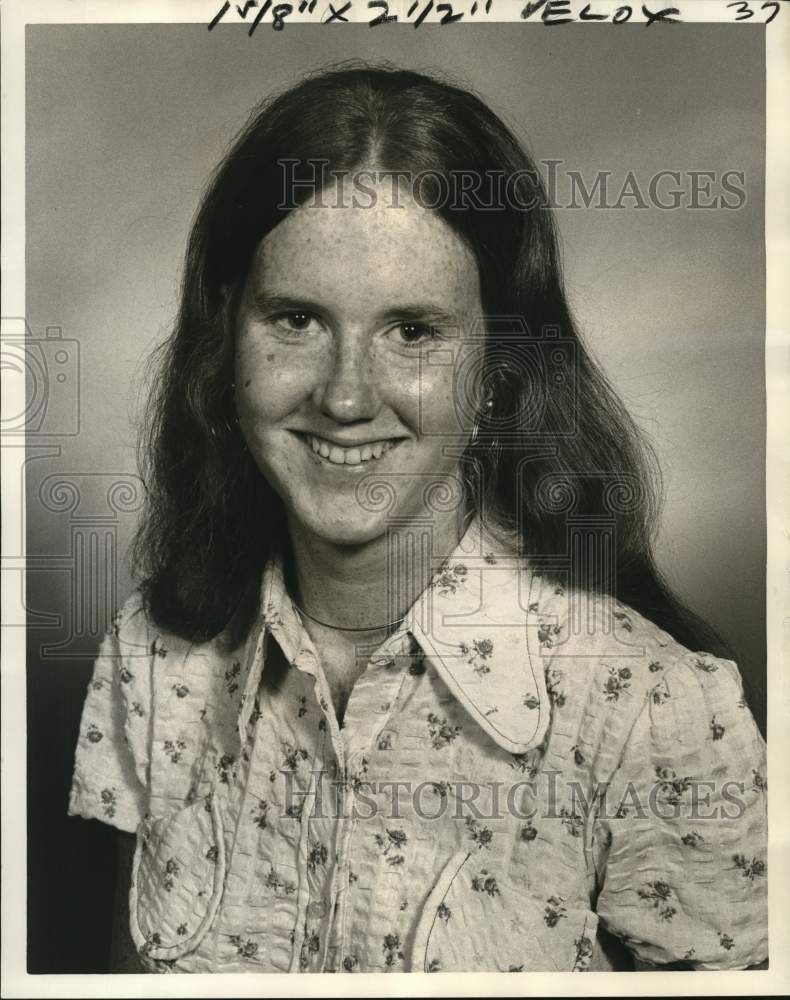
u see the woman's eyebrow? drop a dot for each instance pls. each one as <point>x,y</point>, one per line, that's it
<point>266,302</point>
<point>422,312</point>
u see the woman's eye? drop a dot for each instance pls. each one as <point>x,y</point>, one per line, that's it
<point>294,322</point>
<point>416,334</point>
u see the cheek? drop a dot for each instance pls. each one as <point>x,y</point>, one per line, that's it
<point>269,386</point>
<point>440,414</point>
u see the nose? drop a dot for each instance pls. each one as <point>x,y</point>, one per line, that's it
<point>348,390</point>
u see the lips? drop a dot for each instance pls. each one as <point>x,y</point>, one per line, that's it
<point>357,455</point>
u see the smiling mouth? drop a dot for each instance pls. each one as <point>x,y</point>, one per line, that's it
<point>335,455</point>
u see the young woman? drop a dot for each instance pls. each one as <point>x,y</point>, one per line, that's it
<point>402,688</point>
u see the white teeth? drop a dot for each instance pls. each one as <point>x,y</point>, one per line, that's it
<point>348,456</point>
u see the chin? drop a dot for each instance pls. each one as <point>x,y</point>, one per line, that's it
<point>343,527</point>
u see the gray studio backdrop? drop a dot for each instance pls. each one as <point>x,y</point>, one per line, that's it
<point>124,124</point>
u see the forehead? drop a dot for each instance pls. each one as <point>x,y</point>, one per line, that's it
<point>367,253</point>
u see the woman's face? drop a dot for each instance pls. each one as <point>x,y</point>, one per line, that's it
<point>353,327</point>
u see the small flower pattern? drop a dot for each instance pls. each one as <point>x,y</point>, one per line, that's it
<point>584,953</point>
<point>478,654</point>
<point>671,787</point>
<point>245,947</point>
<point>528,832</point>
<point>109,802</point>
<point>184,721</point>
<point>311,945</point>
<point>171,873</point>
<point>392,949</point>
<point>232,677</point>
<point>260,814</point>
<point>573,824</point>
<point>481,835</point>
<point>659,695</point>
<point>554,911</point>
<point>450,578</point>
<point>751,869</point>
<point>486,883</point>
<point>292,756</point>
<point>659,895</point>
<point>280,885</point>
<point>617,683</point>
<point>226,768</point>
<point>759,784</point>
<point>526,763</point>
<point>547,634</point>
<point>442,734</point>
<point>174,749</point>
<point>359,777</point>
<point>623,620</point>
<point>391,844</point>
<point>554,688</point>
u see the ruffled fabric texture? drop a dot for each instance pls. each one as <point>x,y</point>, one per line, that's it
<point>521,767</point>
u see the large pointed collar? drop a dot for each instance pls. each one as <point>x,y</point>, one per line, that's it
<point>472,625</point>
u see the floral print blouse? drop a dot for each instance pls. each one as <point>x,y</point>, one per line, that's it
<point>519,765</point>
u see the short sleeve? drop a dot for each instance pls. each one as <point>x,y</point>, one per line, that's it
<point>111,764</point>
<point>680,837</point>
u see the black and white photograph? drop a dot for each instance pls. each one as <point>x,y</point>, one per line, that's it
<point>395,572</point>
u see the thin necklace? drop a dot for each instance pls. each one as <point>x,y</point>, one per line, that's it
<point>344,628</point>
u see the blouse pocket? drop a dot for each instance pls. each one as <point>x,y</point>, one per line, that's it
<point>477,919</point>
<point>177,880</point>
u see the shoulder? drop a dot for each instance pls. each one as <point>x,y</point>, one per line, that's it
<point>136,655</point>
<point>586,632</point>
<point>613,674</point>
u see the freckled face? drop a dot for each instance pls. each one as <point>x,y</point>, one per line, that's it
<point>352,326</point>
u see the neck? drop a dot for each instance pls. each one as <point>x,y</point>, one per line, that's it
<point>371,585</point>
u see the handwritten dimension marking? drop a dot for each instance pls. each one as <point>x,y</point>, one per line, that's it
<point>551,13</point>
